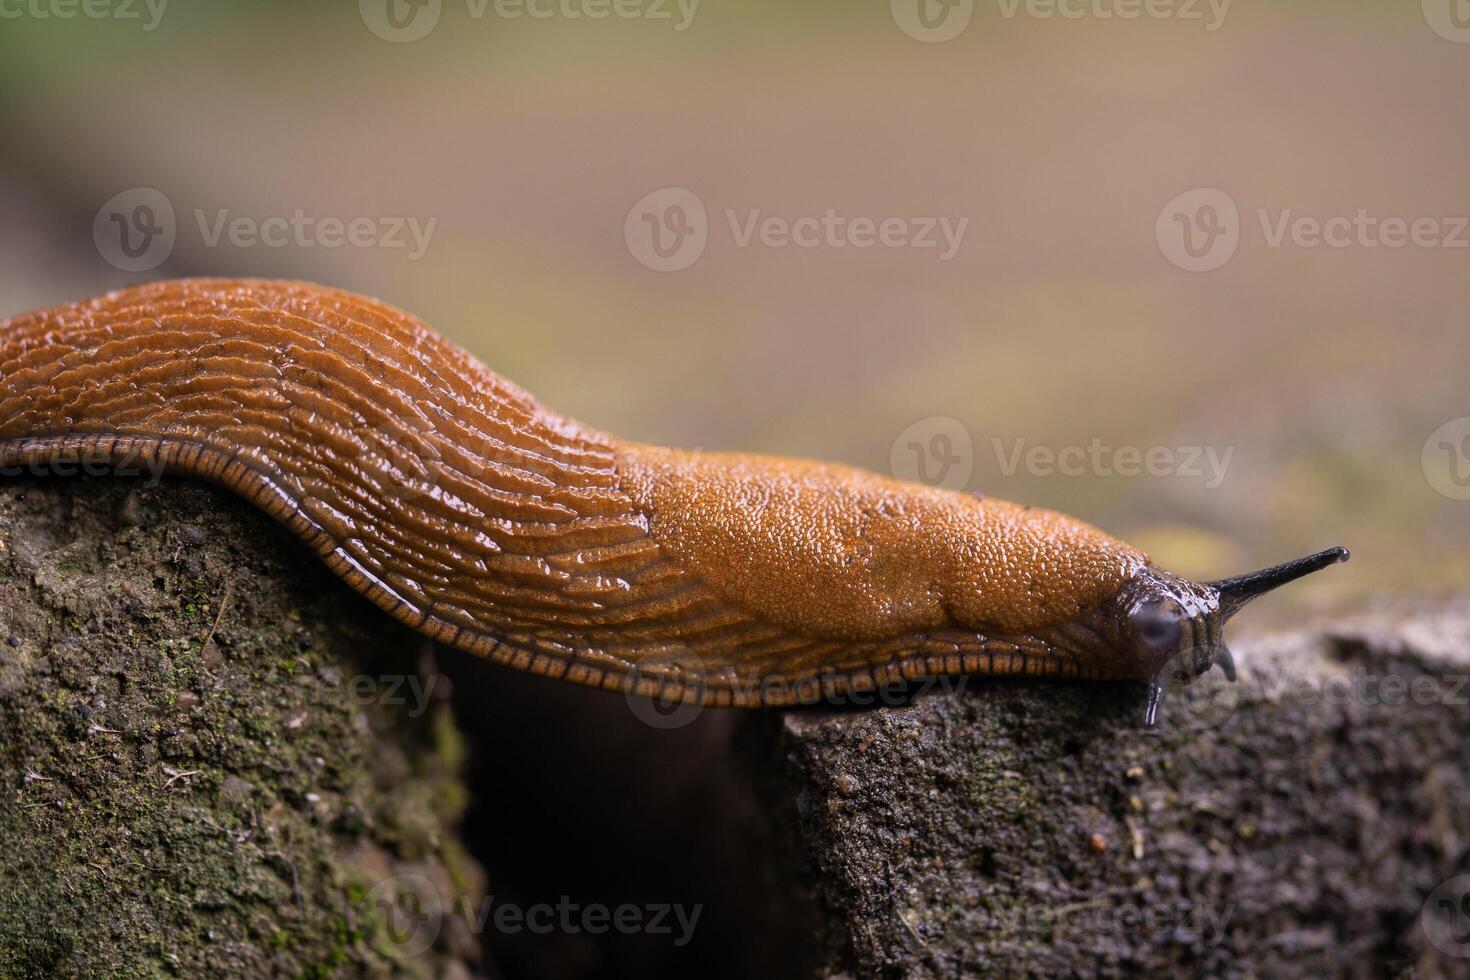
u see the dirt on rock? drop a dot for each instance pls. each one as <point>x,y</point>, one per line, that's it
<point>1300,823</point>
<point>216,760</point>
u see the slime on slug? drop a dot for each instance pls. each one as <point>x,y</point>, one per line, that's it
<point>459,504</point>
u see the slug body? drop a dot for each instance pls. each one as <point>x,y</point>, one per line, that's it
<point>459,504</point>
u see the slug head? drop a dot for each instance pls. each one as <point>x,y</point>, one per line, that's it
<point>1171,627</point>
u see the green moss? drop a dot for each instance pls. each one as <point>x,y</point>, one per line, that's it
<point>178,811</point>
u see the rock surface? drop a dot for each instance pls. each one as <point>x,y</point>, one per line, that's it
<point>1292,825</point>
<point>214,760</point>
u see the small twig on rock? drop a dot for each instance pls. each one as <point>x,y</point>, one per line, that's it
<point>224,601</point>
<point>174,775</point>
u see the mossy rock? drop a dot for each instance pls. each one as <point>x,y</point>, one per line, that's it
<point>1313,820</point>
<point>217,759</point>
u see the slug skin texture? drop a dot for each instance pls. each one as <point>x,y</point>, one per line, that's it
<point>463,507</point>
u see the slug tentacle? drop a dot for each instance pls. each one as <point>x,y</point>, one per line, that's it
<point>1237,591</point>
<point>458,503</point>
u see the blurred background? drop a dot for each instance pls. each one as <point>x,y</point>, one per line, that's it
<point>496,160</point>
<point>1193,272</point>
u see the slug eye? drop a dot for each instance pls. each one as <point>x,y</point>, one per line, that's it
<point>1158,625</point>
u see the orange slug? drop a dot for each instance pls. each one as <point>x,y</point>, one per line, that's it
<point>463,507</point>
